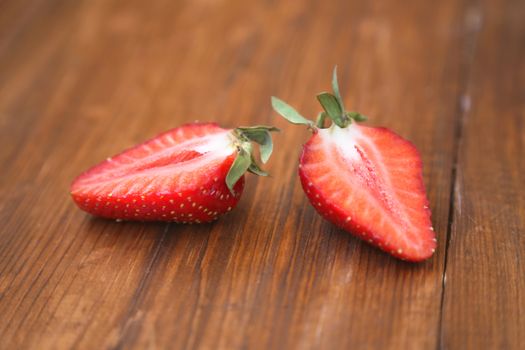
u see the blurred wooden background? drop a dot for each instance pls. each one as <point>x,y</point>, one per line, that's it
<point>81,80</point>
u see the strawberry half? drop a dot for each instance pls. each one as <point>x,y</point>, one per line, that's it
<point>190,174</point>
<point>366,180</point>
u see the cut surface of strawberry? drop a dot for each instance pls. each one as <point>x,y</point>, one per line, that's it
<point>190,174</point>
<point>366,180</point>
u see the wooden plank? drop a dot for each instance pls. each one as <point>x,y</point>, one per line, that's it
<point>485,278</point>
<point>84,80</point>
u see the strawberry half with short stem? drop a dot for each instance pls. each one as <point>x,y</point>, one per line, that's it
<point>366,180</point>
<point>190,174</point>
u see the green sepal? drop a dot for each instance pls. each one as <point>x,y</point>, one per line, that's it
<point>335,87</point>
<point>321,117</point>
<point>254,131</point>
<point>266,148</point>
<point>239,166</point>
<point>289,113</point>
<point>358,117</point>
<point>255,169</point>
<point>261,135</point>
<point>333,108</point>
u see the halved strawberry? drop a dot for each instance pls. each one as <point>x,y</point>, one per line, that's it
<point>365,180</point>
<point>189,174</point>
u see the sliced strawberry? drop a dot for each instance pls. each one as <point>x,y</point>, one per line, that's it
<point>368,181</point>
<point>365,180</point>
<point>192,173</point>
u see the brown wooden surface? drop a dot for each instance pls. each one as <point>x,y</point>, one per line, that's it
<point>81,80</point>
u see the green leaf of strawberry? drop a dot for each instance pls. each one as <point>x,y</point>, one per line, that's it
<point>320,120</point>
<point>335,88</point>
<point>333,109</point>
<point>358,117</point>
<point>239,166</point>
<point>289,113</point>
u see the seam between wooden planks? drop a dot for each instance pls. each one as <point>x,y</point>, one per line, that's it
<point>472,24</point>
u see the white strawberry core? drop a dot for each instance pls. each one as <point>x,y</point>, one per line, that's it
<point>220,144</point>
<point>345,140</point>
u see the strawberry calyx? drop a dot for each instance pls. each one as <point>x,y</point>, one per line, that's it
<point>333,109</point>
<point>243,137</point>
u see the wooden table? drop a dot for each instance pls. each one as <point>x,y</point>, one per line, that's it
<point>82,80</point>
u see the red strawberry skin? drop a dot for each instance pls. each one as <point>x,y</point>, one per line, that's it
<point>368,181</point>
<point>177,176</point>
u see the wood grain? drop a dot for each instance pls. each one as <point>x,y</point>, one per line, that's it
<point>485,275</point>
<point>82,80</point>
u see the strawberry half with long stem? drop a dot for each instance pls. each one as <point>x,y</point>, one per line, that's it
<point>190,174</point>
<point>366,180</point>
